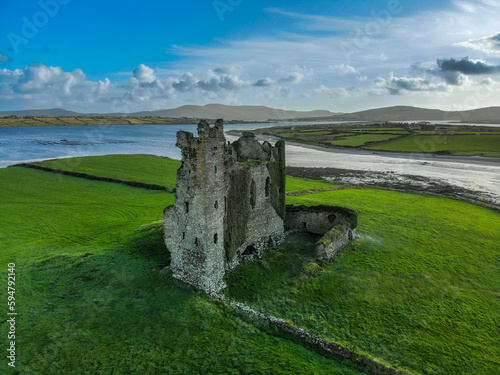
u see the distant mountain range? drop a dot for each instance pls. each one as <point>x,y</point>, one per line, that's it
<point>261,113</point>
<point>209,111</point>
<point>406,113</point>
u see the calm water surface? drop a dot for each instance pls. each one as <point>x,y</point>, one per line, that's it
<point>25,144</point>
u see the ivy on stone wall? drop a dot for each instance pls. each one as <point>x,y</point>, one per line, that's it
<point>237,211</point>
<point>277,170</point>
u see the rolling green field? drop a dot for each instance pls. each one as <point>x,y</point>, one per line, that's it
<point>419,289</point>
<point>148,169</point>
<point>486,145</point>
<point>360,140</point>
<point>92,297</point>
<point>458,140</point>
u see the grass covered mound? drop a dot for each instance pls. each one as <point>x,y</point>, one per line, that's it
<point>418,289</point>
<point>148,169</point>
<point>92,298</point>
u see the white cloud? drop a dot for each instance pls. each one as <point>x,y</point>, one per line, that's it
<point>343,69</point>
<point>187,83</point>
<point>39,86</point>
<point>489,44</point>
<point>294,78</point>
<point>144,74</point>
<point>222,79</point>
<point>264,82</point>
<point>401,85</point>
<point>332,92</point>
<point>466,6</point>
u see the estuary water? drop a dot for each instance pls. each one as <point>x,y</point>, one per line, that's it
<point>19,145</point>
<point>28,144</point>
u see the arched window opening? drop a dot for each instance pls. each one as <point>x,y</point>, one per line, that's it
<point>216,204</point>
<point>268,186</point>
<point>216,238</point>
<point>253,194</point>
<point>250,250</point>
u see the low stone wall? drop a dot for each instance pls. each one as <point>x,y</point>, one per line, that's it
<point>368,363</point>
<point>334,241</point>
<point>336,224</point>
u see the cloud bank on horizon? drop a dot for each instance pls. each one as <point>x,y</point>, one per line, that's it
<point>62,53</point>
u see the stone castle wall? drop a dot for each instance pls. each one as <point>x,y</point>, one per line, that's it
<point>229,198</point>
<point>336,224</point>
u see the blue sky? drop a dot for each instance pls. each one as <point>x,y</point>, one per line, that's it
<point>107,56</point>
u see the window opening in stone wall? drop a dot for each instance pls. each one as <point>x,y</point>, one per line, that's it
<point>187,207</point>
<point>304,225</point>
<point>250,250</point>
<point>196,241</point>
<point>253,194</point>
<point>215,169</point>
<point>216,204</point>
<point>216,238</point>
<point>268,186</point>
<point>183,235</point>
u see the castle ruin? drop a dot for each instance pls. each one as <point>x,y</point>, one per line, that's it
<point>229,205</point>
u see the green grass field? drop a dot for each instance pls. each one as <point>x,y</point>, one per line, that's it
<point>419,289</point>
<point>486,145</point>
<point>362,139</point>
<point>467,140</point>
<point>92,300</point>
<point>148,169</point>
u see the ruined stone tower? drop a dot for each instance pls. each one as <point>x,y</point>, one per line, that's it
<point>230,204</point>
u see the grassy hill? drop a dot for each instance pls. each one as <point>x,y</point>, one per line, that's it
<point>419,289</point>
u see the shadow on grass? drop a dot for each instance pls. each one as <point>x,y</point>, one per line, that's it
<point>282,266</point>
<point>147,242</point>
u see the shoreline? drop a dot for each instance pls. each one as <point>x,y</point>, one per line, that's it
<point>400,183</point>
<point>424,156</point>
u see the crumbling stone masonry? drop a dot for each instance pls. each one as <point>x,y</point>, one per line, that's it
<point>336,224</point>
<point>230,204</point>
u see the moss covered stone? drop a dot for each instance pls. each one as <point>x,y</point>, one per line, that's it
<point>237,211</point>
<point>277,170</point>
